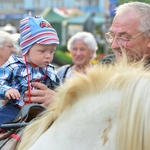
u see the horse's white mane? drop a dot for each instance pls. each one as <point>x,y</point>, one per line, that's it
<point>115,102</point>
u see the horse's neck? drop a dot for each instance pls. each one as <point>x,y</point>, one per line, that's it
<point>90,124</point>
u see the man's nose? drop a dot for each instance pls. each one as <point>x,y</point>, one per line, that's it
<point>114,43</point>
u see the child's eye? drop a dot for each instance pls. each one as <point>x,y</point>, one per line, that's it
<point>42,51</point>
<point>52,52</point>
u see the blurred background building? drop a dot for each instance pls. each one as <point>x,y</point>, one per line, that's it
<point>12,11</point>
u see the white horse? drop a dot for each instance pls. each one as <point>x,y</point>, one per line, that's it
<point>107,109</point>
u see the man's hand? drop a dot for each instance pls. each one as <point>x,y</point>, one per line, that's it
<point>42,95</point>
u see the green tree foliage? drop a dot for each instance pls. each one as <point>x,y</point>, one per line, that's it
<point>61,58</point>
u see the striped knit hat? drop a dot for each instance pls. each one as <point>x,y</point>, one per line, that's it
<point>36,30</point>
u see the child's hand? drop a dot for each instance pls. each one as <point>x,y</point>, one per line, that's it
<point>12,94</point>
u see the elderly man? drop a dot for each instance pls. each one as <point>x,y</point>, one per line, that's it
<point>130,33</point>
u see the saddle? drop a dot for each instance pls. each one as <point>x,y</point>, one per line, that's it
<point>11,132</point>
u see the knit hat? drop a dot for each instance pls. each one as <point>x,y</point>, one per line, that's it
<point>36,30</point>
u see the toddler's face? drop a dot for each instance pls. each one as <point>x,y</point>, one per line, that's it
<point>41,54</point>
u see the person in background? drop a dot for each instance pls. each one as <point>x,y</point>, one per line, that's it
<point>82,47</point>
<point>7,48</point>
<point>130,33</point>
<point>38,42</point>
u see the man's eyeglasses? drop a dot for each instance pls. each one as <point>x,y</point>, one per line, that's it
<point>120,40</point>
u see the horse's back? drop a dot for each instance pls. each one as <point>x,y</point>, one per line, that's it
<point>90,124</point>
